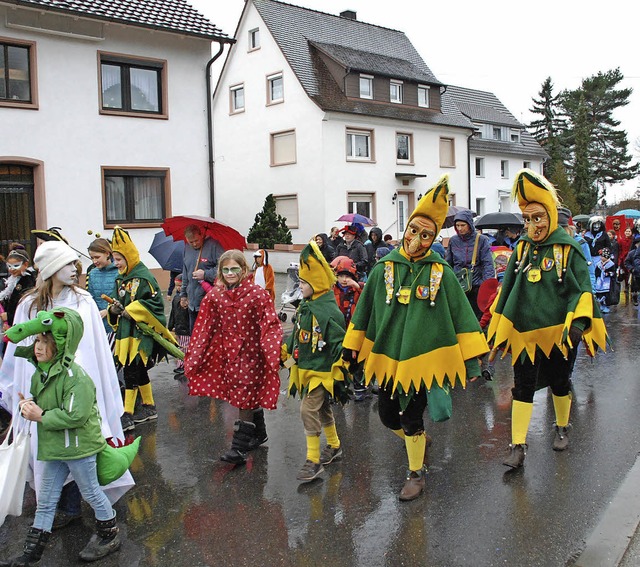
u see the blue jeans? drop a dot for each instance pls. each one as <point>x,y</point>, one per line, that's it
<point>85,474</point>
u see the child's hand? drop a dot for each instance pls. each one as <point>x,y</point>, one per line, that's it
<point>29,409</point>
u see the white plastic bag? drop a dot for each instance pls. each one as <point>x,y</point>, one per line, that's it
<point>14,462</point>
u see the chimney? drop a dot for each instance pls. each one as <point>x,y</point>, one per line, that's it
<point>349,15</point>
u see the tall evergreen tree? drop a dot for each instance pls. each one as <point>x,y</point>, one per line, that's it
<point>598,145</point>
<point>549,129</point>
<point>560,180</point>
<point>269,227</point>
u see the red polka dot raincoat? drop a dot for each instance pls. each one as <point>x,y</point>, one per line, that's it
<point>234,353</point>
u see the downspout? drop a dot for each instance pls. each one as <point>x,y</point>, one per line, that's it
<point>212,193</point>
<point>469,167</point>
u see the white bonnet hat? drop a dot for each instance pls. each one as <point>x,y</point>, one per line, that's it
<point>51,256</point>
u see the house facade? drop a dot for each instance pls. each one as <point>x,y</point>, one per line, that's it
<point>330,115</point>
<point>500,147</point>
<point>103,113</point>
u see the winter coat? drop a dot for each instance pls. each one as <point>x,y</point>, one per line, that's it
<point>459,254</point>
<point>70,426</point>
<point>357,253</point>
<point>26,282</point>
<point>234,353</point>
<point>604,273</point>
<point>102,281</point>
<point>597,242</point>
<point>327,249</point>
<point>372,246</point>
<point>205,258</point>
<point>179,318</point>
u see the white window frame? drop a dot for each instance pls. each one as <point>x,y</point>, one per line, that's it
<point>351,134</point>
<point>290,136</point>
<point>369,80</point>
<point>447,142</point>
<point>504,168</point>
<point>480,206</point>
<point>395,91</point>
<point>427,95</point>
<point>409,159</point>
<point>271,79</point>
<point>496,133</point>
<point>233,92</point>
<point>291,217</point>
<point>526,164</point>
<point>361,203</point>
<point>514,133</point>
<point>479,161</point>
<point>254,39</point>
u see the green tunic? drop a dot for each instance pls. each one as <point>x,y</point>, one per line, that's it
<point>316,346</point>
<point>428,338</point>
<point>531,316</point>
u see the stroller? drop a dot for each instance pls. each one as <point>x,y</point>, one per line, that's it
<point>292,295</point>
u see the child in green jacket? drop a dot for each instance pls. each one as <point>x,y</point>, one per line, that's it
<point>63,404</point>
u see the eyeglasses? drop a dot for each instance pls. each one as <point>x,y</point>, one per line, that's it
<point>15,266</point>
<point>232,270</point>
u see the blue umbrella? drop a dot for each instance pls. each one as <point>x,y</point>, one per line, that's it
<point>629,213</point>
<point>167,252</point>
<point>357,218</point>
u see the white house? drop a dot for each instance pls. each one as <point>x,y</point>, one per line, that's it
<point>499,148</point>
<point>331,115</point>
<point>103,116</point>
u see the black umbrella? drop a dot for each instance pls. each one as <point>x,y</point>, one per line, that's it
<point>167,252</point>
<point>499,220</point>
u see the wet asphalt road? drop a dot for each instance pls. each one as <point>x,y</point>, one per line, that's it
<point>190,509</point>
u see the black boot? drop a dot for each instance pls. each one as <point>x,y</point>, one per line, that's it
<point>243,433</point>
<point>105,541</point>
<point>260,433</point>
<point>33,548</point>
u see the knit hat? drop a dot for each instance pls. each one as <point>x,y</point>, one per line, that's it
<point>122,244</point>
<point>435,203</point>
<point>51,256</point>
<point>315,270</point>
<point>564,216</point>
<point>530,187</point>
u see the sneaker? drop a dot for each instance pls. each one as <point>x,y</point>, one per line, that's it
<point>561,439</point>
<point>310,471</point>
<point>330,454</point>
<point>127,422</point>
<point>604,309</point>
<point>146,412</point>
<point>413,485</point>
<point>517,453</point>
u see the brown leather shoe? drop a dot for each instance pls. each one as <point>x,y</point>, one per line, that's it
<point>413,486</point>
<point>516,456</point>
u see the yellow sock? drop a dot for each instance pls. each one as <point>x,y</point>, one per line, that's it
<point>520,418</point>
<point>130,400</point>
<point>332,436</point>
<point>313,448</point>
<point>416,445</point>
<point>562,405</point>
<point>399,433</point>
<point>147,394</point>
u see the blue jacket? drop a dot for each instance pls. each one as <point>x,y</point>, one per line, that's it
<point>460,252</point>
<point>211,251</point>
<point>102,281</point>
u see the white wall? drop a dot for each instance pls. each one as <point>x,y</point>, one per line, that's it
<point>73,140</point>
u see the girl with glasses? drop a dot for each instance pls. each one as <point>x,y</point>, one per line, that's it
<point>234,353</point>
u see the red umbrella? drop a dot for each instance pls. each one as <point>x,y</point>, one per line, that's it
<point>228,237</point>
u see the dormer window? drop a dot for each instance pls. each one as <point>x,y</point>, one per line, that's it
<point>366,86</point>
<point>515,135</point>
<point>395,92</point>
<point>423,96</point>
<point>497,133</point>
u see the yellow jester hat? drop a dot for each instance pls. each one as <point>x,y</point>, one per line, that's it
<point>315,270</point>
<point>531,187</point>
<point>435,203</point>
<point>122,244</point>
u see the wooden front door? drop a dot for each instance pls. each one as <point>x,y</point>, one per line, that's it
<point>17,208</point>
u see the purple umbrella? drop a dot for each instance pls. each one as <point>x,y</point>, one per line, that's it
<point>356,218</point>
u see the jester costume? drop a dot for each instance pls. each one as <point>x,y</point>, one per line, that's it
<point>416,332</point>
<point>312,352</point>
<point>544,308</point>
<point>138,292</point>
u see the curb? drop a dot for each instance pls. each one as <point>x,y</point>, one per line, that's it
<point>610,539</point>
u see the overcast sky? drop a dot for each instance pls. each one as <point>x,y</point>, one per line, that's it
<point>505,47</point>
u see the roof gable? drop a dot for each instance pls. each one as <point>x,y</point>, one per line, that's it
<point>300,33</point>
<point>173,16</point>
